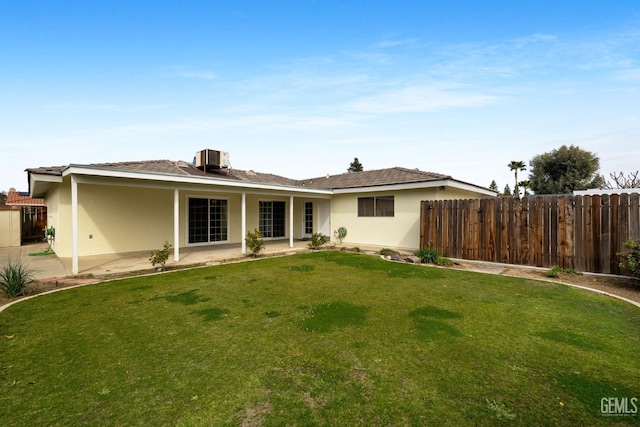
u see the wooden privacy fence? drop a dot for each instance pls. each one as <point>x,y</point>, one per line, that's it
<point>581,232</point>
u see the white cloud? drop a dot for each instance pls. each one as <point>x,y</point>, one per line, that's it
<point>204,75</point>
<point>423,98</point>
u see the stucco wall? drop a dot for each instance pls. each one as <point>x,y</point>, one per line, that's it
<point>10,222</point>
<point>116,219</point>
<point>400,231</point>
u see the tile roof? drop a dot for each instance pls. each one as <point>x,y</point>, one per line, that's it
<point>15,198</point>
<point>372,178</point>
<point>367,178</point>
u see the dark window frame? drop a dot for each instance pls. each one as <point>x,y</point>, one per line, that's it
<point>376,206</point>
<point>207,220</point>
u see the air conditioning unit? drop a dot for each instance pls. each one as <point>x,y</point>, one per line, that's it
<point>212,159</point>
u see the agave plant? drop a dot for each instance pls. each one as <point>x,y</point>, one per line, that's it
<point>14,277</point>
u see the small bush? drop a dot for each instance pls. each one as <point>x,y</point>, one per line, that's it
<point>161,256</point>
<point>317,240</point>
<point>427,255</point>
<point>387,251</point>
<point>254,242</point>
<point>556,270</point>
<point>431,256</point>
<point>14,277</point>
<point>340,234</point>
<point>444,262</point>
<point>631,258</point>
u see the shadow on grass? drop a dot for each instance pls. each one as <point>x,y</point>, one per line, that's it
<point>572,338</point>
<point>329,316</point>
<point>429,325</point>
<point>187,298</point>
<point>591,392</point>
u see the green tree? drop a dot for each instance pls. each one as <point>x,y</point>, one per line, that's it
<point>493,186</point>
<point>565,170</point>
<point>515,166</point>
<point>355,166</point>
<point>506,191</point>
<point>524,184</point>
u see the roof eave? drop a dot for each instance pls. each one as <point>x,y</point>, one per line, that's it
<point>417,185</point>
<point>168,178</point>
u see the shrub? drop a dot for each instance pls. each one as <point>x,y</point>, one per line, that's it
<point>317,240</point>
<point>427,255</point>
<point>631,257</point>
<point>161,256</point>
<point>444,262</point>
<point>254,242</point>
<point>431,256</point>
<point>14,277</point>
<point>556,270</point>
<point>340,234</point>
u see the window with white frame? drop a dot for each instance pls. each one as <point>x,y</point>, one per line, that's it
<point>208,220</point>
<point>376,206</point>
<point>271,218</point>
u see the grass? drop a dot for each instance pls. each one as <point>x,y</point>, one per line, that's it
<point>325,338</point>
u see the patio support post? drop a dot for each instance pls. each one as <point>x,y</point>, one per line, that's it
<point>74,225</point>
<point>291,221</point>
<point>176,225</point>
<point>244,222</point>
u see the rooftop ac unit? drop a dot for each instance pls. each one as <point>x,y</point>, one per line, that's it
<point>212,159</point>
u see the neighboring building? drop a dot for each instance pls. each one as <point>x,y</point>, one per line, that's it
<point>134,206</point>
<point>22,219</point>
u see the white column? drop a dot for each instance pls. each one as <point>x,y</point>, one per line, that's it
<point>74,225</point>
<point>244,222</point>
<point>290,221</point>
<point>176,225</point>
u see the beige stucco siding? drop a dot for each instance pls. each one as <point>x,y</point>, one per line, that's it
<point>114,219</point>
<point>400,231</point>
<point>10,223</point>
<point>58,202</point>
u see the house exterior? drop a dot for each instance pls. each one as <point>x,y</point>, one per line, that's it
<point>136,206</point>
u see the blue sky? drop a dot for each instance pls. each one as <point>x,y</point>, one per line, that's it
<point>300,88</point>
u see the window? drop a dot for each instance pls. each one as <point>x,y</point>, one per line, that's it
<point>208,220</point>
<point>308,217</point>
<point>376,206</point>
<point>271,218</point>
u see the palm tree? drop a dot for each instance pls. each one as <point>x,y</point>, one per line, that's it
<point>524,184</point>
<point>515,166</point>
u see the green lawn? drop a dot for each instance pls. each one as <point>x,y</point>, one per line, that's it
<point>324,338</point>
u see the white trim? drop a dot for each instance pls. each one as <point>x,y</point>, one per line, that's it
<point>172,180</point>
<point>244,223</point>
<point>39,184</point>
<point>74,226</point>
<point>417,185</point>
<point>186,220</point>
<point>283,200</point>
<point>291,221</point>
<point>314,226</point>
<point>176,225</point>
